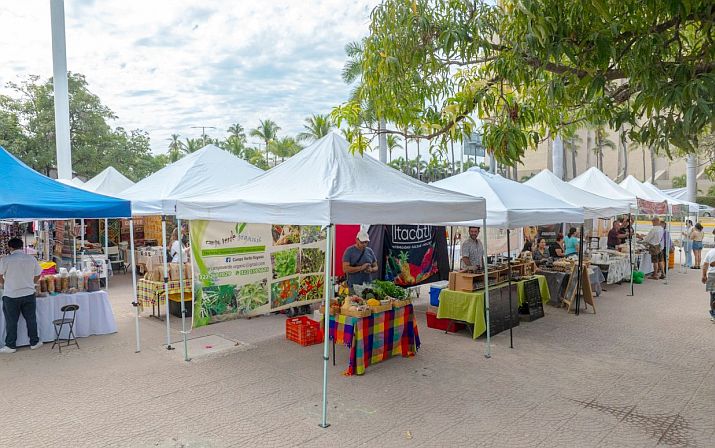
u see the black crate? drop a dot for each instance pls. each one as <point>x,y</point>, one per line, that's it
<point>499,309</point>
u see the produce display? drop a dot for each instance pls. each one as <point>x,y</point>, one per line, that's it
<point>376,297</point>
<point>285,234</point>
<point>312,260</point>
<point>311,234</point>
<point>285,263</point>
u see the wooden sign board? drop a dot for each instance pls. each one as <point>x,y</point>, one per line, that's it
<point>570,294</point>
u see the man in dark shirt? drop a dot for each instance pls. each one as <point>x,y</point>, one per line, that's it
<point>359,261</point>
<point>615,236</point>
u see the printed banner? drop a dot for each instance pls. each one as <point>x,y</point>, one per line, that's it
<point>652,208</point>
<point>410,254</point>
<point>679,209</point>
<point>250,269</point>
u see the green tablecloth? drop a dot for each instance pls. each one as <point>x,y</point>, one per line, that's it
<point>469,306</point>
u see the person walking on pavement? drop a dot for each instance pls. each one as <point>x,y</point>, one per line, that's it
<point>687,244</point>
<point>696,238</point>
<point>18,274</point>
<point>708,279</point>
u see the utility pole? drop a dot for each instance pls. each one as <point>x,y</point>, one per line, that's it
<point>203,131</point>
<point>59,83</point>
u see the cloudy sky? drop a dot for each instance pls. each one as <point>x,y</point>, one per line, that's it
<point>168,65</point>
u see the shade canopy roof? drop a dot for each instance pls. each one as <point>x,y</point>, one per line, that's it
<point>594,206</point>
<point>26,194</point>
<point>74,182</point>
<point>692,206</point>
<point>593,180</point>
<point>637,188</point>
<point>110,182</point>
<point>206,171</point>
<point>511,204</point>
<point>326,184</point>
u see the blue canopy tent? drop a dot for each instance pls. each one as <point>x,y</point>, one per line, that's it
<point>26,194</point>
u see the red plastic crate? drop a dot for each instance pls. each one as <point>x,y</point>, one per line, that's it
<point>303,330</point>
<point>442,324</point>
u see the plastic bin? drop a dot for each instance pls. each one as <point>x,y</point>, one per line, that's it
<point>303,330</point>
<point>442,324</point>
<point>434,295</point>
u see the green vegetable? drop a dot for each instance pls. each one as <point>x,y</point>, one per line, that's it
<point>285,263</point>
<point>312,260</point>
<point>385,288</point>
<point>252,296</point>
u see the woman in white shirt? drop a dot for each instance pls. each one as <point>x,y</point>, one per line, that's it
<point>175,246</point>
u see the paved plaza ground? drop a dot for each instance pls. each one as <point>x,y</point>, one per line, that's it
<point>640,372</point>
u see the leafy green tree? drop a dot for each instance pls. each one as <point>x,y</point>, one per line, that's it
<point>316,127</point>
<point>175,148</point>
<point>237,131</point>
<point>28,130</point>
<point>267,131</point>
<point>191,145</point>
<point>679,181</point>
<point>602,141</point>
<point>532,69</point>
<point>393,143</point>
<point>285,147</point>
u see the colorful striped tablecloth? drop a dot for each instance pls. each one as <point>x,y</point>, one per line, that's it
<point>377,337</point>
<point>149,292</point>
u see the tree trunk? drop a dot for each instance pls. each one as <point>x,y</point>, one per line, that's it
<point>652,165</point>
<point>645,178</point>
<point>451,143</point>
<point>691,181</point>
<point>573,160</point>
<point>557,154</point>
<point>382,139</point>
<point>515,173</point>
<point>624,144</point>
<point>418,159</point>
<point>588,148</point>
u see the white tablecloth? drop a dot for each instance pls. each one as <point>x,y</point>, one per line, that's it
<point>94,316</point>
<point>646,264</point>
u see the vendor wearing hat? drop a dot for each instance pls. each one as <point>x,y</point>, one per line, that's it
<point>359,261</point>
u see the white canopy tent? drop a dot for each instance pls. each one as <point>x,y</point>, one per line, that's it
<point>594,206</point>
<point>511,204</point>
<point>692,206</point>
<point>325,185</point>
<point>635,187</point>
<point>208,170</point>
<point>109,182</point>
<point>677,193</point>
<point>74,182</point>
<point>593,180</point>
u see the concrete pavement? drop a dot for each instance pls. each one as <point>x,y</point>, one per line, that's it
<point>640,372</point>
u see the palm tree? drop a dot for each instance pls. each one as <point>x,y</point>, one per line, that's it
<point>175,148</point>
<point>623,149</point>
<point>393,142</point>
<point>235,145</point>
<point>267,131</point>
<point>192,145</point>
<point>572,144</point>
<point>602,141</point>
<point>316,127</point>
<point>285,147</point>
<point>237,131</point>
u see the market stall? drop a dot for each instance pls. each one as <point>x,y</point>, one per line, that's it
<point>510,205</point>
<point>325,185</point>
<point>28,195</point>
<point>94,317</point>
<point>206,171</point>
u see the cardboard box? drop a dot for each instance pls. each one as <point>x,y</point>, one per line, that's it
<point>452,280</point>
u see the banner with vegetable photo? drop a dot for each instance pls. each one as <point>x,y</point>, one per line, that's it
<point>414,254</point>
<point>244,270</point>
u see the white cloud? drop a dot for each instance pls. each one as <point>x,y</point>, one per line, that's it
<point>167,65</point>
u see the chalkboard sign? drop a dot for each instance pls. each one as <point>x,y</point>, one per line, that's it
<point>532,296</point>
<point>572,285</point>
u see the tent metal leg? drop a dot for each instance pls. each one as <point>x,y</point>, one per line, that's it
<point>508,273</point>
<point>327,292</point>
<point>166,283</point>
<point>488,353</point>
<point>106,253</point>
<point>135,303</point>
<point>181,288</point>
